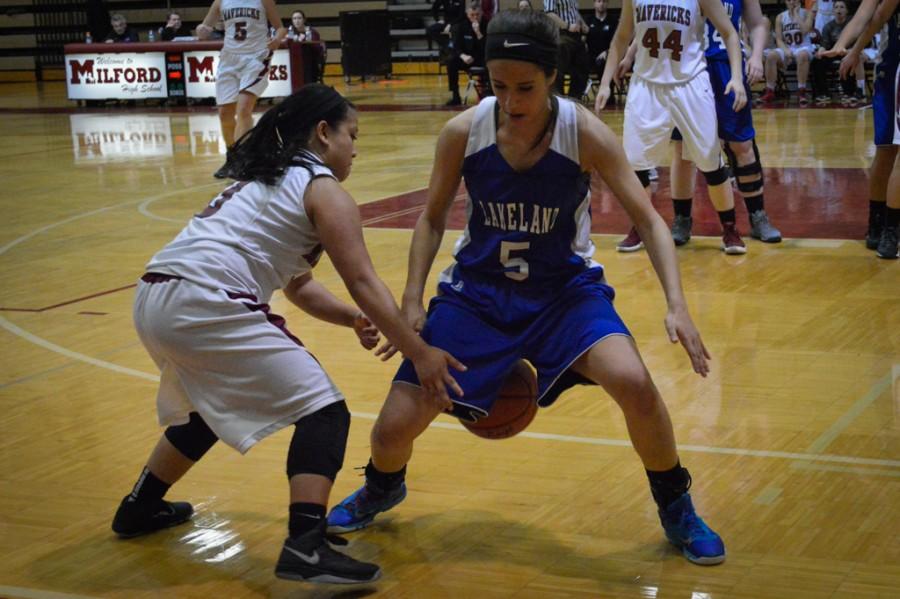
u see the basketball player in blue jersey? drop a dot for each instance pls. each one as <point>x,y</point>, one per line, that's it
<point>524,284</point>
<point>884,198</point>
<point>735,130</point>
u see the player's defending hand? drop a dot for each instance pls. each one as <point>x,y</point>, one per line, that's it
<point>204,31</point>
<point>848,63</point>
<point>755,71</point>
<point>433,368</point>
<point>740,94</point>
<point>415,316</point>
<point>681,328</point>
<point>366,331</point>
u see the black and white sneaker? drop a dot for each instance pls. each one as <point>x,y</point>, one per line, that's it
<point>311,558</point>
<point>134,519</point>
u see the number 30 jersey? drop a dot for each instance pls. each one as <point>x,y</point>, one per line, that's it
<point>246,26</point>
<point>670,38</point>
<point>526,229</point>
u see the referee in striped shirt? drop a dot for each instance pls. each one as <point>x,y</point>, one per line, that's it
<point>573,56</point>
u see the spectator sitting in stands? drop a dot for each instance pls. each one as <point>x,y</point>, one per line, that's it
<point>524,5</point>
<point>441,30</point>
<point>601,28</point>
<point>822,66</point>
<point>301,31</point>
<point>121,31</point>
<point>792,34</point>
<point>467,47</point>
<point>174,28</point>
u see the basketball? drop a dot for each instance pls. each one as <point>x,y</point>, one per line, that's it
<point>514,408</point>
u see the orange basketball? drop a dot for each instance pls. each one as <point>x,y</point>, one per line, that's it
<point>514,408</point>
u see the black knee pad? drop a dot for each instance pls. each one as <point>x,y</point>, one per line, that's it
<point>643,177</point>
<point>754,169</point>
<point>716,177</point>
<point>192,439</point>
<point>319,441</point>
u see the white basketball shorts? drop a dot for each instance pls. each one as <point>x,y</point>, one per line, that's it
<point>653,110</point>
<point>241,73</point>
<point>228,359</point>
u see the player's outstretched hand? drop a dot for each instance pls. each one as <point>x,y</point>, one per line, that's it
<point>415,316</point>
<point>366,331</point>
<point>681,328</point>
<point>848,63</point>
<point>433,368</point>
<point>834,52</point>
<point>740,94</point>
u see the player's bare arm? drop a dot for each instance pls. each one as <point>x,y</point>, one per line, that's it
<point>316,300</point>
<point>879,18</point>
<point>274,21</point>
<point>758,25</point>
<point>779,33</point>
<point>429,230</point>
<point>602,153</point>
<point>621,39</point>
<point>340,231</point>
<point>715,12</point>
<point>853,28</point>
<point>205,29</point>
<point>807,24</point>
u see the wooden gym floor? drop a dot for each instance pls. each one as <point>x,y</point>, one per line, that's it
<point>793,440</point>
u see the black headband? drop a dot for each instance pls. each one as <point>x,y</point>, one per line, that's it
<point>518,46</point>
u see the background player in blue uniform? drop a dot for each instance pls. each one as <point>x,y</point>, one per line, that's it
<point>735,129</point>
<point>524,284</point>
<point>884,187</point>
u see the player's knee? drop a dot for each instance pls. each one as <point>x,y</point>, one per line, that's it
<point>193,439</point>
<point>319,442</point>
<point>635,392</point>
<point>716,177</point>
<point>644,177</point>
<point>388,434</point>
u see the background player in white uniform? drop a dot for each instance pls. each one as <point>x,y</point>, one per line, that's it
<point>243,72</point>
<point>794,44</point>
<point>670,88</point>
<point>230,370</point>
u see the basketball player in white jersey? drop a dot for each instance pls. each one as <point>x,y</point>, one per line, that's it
<point>670,88</point>
<point>229,369</point>
<point>243,72</point>
<point>793,29</point>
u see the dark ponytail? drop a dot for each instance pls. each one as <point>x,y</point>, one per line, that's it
<point>276,142</point>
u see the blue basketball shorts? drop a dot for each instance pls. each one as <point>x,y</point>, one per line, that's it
<point>489,328</point>
<point>733,126</point>
<point>885,105</point>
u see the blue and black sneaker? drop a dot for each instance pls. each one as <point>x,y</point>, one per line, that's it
<point>688,532</point>
<point>358,510</point>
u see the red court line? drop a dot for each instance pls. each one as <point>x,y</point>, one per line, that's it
<point>69,302</point>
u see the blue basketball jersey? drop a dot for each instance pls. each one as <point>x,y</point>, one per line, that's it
<point>715,49</point>
<point>529,229</point>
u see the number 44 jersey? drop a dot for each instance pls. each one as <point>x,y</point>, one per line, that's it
<point>670,37</point>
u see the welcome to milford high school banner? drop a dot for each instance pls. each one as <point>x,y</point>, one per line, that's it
<point>158,74</point>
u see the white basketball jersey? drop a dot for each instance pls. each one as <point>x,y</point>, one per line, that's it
<point>252,238</point>
<point>670,36</point>
<point>792,32</point>
<point>246,26</point>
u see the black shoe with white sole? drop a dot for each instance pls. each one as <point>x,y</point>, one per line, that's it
<point>310,557</point>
